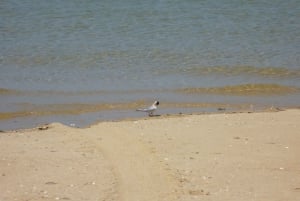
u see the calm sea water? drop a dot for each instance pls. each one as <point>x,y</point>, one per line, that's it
<point>98,60</point>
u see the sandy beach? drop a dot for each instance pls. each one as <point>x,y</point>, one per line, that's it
<point>213,157</point>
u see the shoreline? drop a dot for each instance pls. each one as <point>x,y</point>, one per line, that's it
<point>228,156</point>
<point>205,110</point>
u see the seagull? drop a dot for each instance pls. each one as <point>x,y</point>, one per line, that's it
<point>150,109</point>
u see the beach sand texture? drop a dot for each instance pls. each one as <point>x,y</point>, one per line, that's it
<point>216,157</point>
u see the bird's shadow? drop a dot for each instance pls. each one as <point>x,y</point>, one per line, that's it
<point>155,115</point>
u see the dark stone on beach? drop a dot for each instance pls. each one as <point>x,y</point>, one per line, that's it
<point>43,128</point>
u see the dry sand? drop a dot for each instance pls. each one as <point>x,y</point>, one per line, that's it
<point>199,157</point>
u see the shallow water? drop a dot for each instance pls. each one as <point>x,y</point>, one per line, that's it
<point>98,60</point>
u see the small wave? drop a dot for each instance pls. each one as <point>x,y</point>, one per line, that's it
<point>66,109</point>
<point>4,91</point>
<point>244,90</point>
<point>273,72</point>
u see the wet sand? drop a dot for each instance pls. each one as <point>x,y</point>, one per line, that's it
<point>242,156</point>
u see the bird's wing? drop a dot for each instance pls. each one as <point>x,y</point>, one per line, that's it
<point>149,109</point>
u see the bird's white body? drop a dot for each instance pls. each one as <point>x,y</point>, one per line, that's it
<point>150,109</point>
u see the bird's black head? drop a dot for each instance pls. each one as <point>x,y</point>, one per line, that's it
<point>156,103</point>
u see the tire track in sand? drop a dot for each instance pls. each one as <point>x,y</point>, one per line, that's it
<point>140,175</point>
